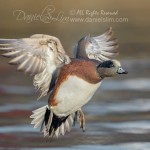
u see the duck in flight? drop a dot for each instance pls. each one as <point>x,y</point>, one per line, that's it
<point>70,82</point>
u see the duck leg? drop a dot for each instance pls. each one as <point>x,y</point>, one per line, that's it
<point>81,119</point>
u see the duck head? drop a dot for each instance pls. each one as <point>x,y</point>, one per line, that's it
<point>110,68</point>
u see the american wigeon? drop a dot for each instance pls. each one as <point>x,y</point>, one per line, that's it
<point>70,82</point>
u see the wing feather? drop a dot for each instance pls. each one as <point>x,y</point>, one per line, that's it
<point>38,55</point>
<point>100,48</point>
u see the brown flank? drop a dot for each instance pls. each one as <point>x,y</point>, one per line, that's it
<point>84,69</point>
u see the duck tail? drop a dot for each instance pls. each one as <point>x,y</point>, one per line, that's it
<point>51,125</point>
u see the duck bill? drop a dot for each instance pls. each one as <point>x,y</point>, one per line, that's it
<point>121,71</point>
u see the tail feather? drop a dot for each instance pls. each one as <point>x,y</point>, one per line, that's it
<point>38,116</point>
<point>51,125</point>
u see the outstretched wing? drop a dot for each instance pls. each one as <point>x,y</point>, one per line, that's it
<point>101,47</point>
<point>40,56</point>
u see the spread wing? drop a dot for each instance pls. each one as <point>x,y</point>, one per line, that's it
<point>101,47</point>
<point>40,56</point>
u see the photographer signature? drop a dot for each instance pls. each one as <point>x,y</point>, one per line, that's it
<point>47,15</point>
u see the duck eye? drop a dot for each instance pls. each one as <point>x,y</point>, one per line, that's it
<point>112,65</point>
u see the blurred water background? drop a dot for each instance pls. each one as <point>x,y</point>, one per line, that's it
<point>118,116</point>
